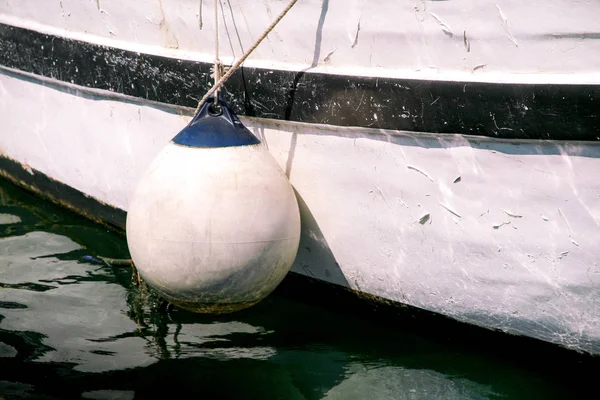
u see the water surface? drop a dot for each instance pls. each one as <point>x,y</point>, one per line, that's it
<point>72,327</point>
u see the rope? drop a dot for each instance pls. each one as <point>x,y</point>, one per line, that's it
<point>116,262</point>
<point>219,81</point>
<point>217,68</point>
<point>239,62</point>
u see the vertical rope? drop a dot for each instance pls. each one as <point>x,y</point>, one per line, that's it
<point>217,68</point>
<point>239,62</point>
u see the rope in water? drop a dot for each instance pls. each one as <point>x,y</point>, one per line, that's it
<point>239,62</point>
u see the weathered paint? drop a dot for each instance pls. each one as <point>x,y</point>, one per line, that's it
<point>388,39</point>
<point>50,189</point>
<point>531,110</point>
<point>512,245</point>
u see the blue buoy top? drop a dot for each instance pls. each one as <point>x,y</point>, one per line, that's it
<point>210,129</point>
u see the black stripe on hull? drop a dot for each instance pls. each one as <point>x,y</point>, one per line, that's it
<point>62,194</point>
<point>519,111</point>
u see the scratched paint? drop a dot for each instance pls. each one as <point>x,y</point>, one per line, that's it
<point>484,251</point>
<point>542,111</point>
<point>92,334</point>
<point>420,38</point>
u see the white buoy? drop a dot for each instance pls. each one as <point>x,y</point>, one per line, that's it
<point>213,225</point>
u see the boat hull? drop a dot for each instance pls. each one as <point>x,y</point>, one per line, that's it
<point>445,155</point>
<point>497,233</point>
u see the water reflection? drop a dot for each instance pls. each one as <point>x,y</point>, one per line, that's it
<point>399,383</point>
<point>71,327</point>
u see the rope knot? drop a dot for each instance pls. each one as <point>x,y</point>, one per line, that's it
<point>220,73</point>
<point>220,68</point>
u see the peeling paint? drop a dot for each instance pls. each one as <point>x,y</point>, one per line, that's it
<point>356,36</point>
<point>445,28</point>
<point>568,118</point>
<point>563,254</point>
<point>505,179</point>
<point>466,41</point>
<point>496,226</point>
<point>328,56</point>
<point>506,26</point>
<point>450,210</point>
<point>511,214</point>
<point>425,174</point>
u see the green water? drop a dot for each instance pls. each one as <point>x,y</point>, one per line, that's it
<point>71,327</point>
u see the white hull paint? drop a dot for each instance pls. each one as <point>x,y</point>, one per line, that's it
<point>543,41</point>
<point>499,233</point>
<point>503,234</point>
